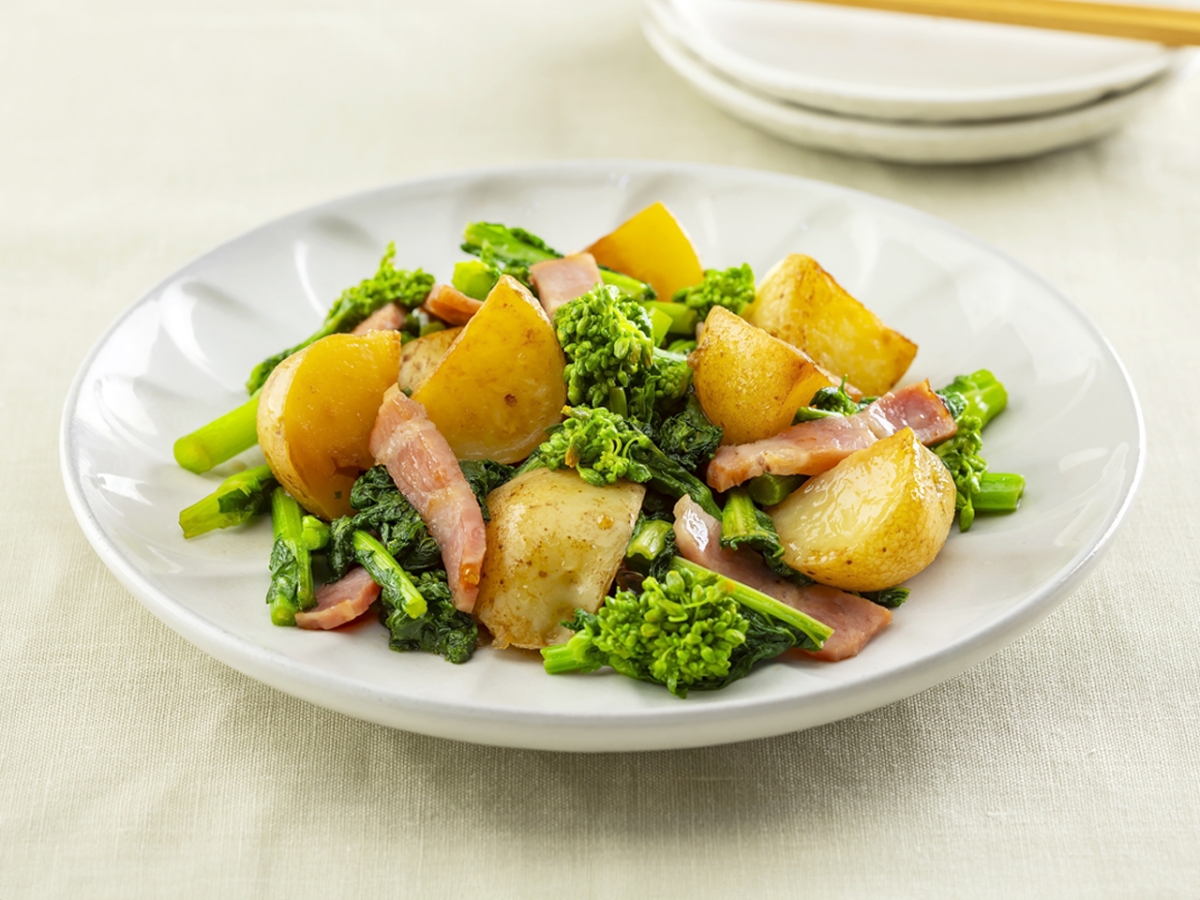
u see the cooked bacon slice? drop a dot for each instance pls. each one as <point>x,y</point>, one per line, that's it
<point>451,305</point>
<point>854,620</point>
<point>427,474</point>
<point>388,317</point>
<point>559,281</point>
<point>340,602</point>
<point>811,448</point>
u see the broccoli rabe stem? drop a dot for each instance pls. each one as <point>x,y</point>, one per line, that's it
<point>314,533</point>
<point>628,285</point>
<point>985,396</point>
<point>221,439</point>
<point>650,540</point>
<point>768,490</point>
<point>291,587</point>
<point>999,492</point>
<point>397,588</point>
<point>683,318</point>
<point>562,659</point>
<point>237,499</point>
<point>817,632</point>
<point>475,278</point>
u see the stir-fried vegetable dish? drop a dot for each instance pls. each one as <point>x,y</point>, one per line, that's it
<point>615,456</point>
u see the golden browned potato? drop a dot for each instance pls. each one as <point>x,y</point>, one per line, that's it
<point>553,546</point>
<point>316,413</point>
<point>750,383</point>
<point>799,302</point>
<point>500,385</point>
<point>878,517</point>
<point>421,356</point>
<point>652,247</point>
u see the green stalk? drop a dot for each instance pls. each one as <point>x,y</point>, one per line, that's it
<point>683,318</point>
<point>660,325</point>
<point>398,589</point>
<point>999,492</point>
<point>628,285</point>
<point>769,490</point>
<point>314,533</point>
<point>221,439</point>
<point>650,540</point>
<point>475,278</point>
<point>291,587</point>
<point>817,632</point>
<point>237,499</point>
<point>561,659</point>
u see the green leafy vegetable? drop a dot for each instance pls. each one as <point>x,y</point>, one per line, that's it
<point>237,499</point>
<point>381,508</point>
<point>604,446</point>
<point>387,285</point>
<point>745,525</point>
<point>691,630</point>
<point>890,598</point>
<point>397,591</point>
<point>689,438</point>
<point>829,401</point>
<point>731,288</point>
<point>484,476</point>
<point>291,587</point>
<point>442,630</point>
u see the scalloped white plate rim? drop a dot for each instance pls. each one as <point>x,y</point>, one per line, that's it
<point>599,730</point>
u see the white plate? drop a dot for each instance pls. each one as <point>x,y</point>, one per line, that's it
<point>178,357</point>
<point>904,67</point>
<point>970,142</point>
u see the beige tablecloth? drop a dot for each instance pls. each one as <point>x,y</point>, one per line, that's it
<point>136,134</point>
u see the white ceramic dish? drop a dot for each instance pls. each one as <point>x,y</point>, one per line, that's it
<point>178,357</point>
<point>923,143</point>
<point>903,67</point>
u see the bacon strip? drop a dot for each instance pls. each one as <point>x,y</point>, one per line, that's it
<point>854,620</point>
<point>811,448</point>
<point>427,474</point>
<point>451,305</point>
<point>559,281</point>
<point>340,602</point>
<point>388,317</point>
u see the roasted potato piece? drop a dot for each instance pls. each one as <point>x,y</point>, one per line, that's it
<point>652,247</point>
<point>316,413</point>
<point>554,545</point>
<point>878,517</point>
<point>421,356</point>
<point>799,302</point>
<point>500,385</point>
<point>750,383</point>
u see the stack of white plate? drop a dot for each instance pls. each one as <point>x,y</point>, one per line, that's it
<point>906,88</point>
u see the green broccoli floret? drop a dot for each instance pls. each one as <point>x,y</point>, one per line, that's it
<point>291,587</point>
<point>691,630</point>
<point>745,525</point>
<point>607,341</point>
<point>388,285</point>
<point>974,400</point>
<point>604,446</point>
<point>731,288</point>
<point>237,499</point>
<point>662,388</point>
<point>419,615</point>
<point>513,250</point>
<point>689,438</point>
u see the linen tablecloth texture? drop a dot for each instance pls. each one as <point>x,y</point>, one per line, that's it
<point>138,134</point>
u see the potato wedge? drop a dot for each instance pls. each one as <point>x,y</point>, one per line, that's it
<point>500,384</point>
<point>554,545</point>
<point>799,302</point>
<point>750,383</point>
<point>421,356</point>
<point>316,413</point>
<point>878,517</point>
<point>652,247</point>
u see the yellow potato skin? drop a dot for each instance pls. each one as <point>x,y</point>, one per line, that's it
<point>652,247</point>
<point>876,519</point>
<point>747,381</point>
<point>422,355</point>
<point>801,303</point>
<point>554,545</point>
<point>316,413</point>
<point>500,384</point>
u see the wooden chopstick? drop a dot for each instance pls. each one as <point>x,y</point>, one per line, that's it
<point>1176,27</point>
